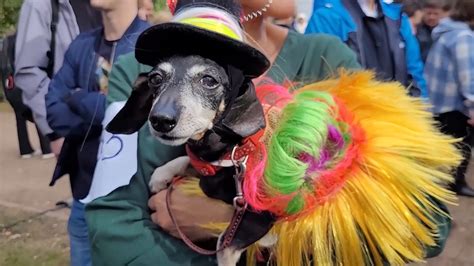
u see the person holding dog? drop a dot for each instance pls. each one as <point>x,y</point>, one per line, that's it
<point>125,212</point>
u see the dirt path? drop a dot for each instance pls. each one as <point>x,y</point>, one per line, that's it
<point>24,182</point>
<point>24,192</point>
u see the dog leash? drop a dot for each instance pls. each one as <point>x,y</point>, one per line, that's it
<point>240,206</point>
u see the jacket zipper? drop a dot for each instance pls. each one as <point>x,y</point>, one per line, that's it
<point>91,69</point>
<point>112,56</point>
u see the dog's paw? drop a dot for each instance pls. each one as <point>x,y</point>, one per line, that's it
<point>159,180</point>
<point>156,187</point>
<point>164,174</point>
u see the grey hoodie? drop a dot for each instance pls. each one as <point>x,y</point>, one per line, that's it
<point>449,27</point>
<point>449,69</point>
<point>32,44</point>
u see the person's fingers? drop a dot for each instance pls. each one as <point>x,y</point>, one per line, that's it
<point>157,203</point>
<point>151,203</point>
<point>154,217</point>
<point>160,198</point>
<point>165,222</point>
<point>157,200</point>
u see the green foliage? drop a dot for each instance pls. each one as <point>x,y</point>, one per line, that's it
<point>159,4</point>
<point>9,11</point>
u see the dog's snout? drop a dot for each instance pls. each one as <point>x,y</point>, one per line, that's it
<point>163,123</point>
<point>165,113</point>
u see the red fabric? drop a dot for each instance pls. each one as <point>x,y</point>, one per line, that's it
<point>172,5</point>
<point>249,147</point>
<point>10,83</point>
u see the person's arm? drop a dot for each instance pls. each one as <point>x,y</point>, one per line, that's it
<point>120,225</point>
<point>89,105</point>
<point>464,67</point>
<point>32,44</point>
<point>324,56</point>
<point>339,55</point>
<point>60,117</point>
<point>123,233</point>
<point>413,56</point>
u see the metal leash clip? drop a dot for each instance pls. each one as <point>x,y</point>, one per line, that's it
<point>240,168</point>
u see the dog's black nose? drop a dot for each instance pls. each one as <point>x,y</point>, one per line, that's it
<point>162,123</point>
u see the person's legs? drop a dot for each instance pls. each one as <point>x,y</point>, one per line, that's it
<point>455,124</point>
<point>79,236</point>
<point>22,133</point>
<point>44,143</point>
<point>14,98</point>
<point>466,147</point>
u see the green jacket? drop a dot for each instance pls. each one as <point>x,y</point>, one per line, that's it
<point>121,230</point>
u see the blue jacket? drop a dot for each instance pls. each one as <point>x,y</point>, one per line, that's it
<point>331,17</point>
<point>75,106</point>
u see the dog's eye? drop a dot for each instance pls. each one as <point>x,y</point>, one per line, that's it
<point>209,82</point>
<point>155,80</point>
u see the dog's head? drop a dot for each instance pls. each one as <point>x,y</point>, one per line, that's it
<point>184,97</point>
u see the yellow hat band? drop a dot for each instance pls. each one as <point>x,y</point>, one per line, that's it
<point>213,25</point>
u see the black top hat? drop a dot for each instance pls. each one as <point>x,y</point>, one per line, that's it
<point>209,28</point>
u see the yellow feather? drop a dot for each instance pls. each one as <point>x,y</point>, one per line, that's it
<point>190,186</point>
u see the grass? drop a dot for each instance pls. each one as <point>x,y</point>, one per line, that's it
<point>41,241</point>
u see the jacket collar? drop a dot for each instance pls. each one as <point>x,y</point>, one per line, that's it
<point>130,35</point>
<point>137,26</point>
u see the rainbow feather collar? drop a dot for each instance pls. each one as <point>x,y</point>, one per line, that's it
<point>352,168</point>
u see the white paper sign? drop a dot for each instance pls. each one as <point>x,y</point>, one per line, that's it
<point>116,159</point>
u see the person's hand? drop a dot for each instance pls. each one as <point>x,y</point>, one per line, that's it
<point>470,106</point>
<point>190,212</point>
<point>470,121</point>
<point>471,117</point>
<point>56,146</point>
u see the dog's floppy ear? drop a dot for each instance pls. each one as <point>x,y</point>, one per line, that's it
<point>135,112</point>
<point>246,115</point>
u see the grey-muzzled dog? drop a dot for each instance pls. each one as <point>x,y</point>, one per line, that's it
<point>211,108</point>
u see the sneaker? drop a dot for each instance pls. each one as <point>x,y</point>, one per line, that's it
<point>36,153</point>
<point>27,156</point>
<point>47,156</point>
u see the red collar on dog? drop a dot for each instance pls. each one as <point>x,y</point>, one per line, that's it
<point>248,147</point>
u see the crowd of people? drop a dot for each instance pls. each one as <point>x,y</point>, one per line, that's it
<point>70,64</point>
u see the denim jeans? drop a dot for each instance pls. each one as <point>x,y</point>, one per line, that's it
<point>79,236</point>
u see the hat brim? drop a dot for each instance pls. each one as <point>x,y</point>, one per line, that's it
<point>168,39</point>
